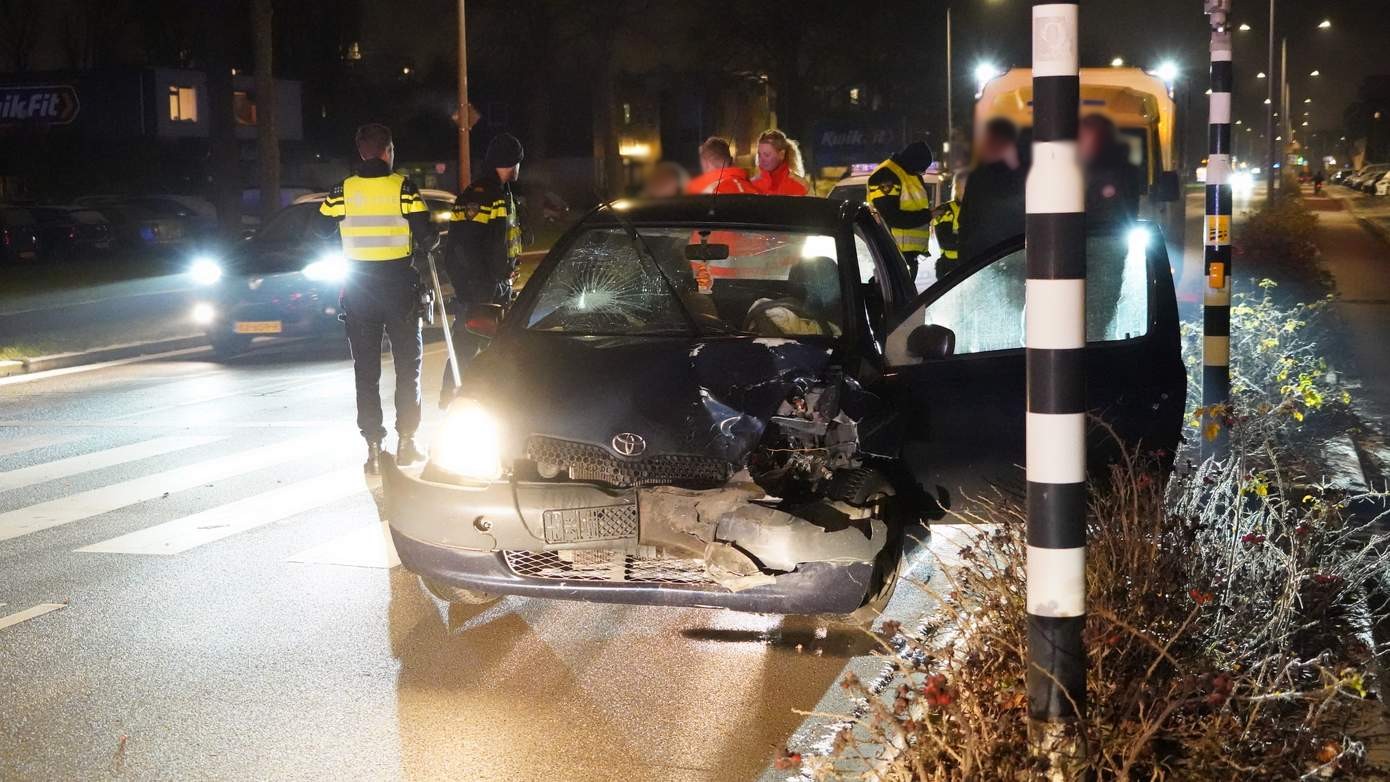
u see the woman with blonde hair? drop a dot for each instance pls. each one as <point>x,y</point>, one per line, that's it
<point>780,170</point>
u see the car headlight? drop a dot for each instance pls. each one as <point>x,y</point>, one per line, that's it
<point>470,445</point>
<point>328,268</point>
<point>205,271</point>
<point>203,313</point>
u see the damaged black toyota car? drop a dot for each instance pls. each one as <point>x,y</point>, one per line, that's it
<point>742,402</point>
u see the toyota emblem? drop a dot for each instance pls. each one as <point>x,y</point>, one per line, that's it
<point>629,444</point>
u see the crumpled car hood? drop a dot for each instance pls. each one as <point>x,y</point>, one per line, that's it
<point>710,397</point>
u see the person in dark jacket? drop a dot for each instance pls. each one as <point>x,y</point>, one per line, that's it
<point>897,191</point>
<point>484,243</point>
<point>1112,182</point>
<point>992,206</point>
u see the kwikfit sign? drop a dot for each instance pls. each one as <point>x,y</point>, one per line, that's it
<point>38,104</point>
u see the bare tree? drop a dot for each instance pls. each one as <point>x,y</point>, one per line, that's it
<point>20,24</point>
<point>268,141</point>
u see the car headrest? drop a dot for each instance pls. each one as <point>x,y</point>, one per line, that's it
<point>819,277</point>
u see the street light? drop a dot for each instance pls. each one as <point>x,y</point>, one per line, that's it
<point>1118,62</point>
<point>1260,75</point>
<point>1244,27</point>
<point>1325,24</point>
<point>1315,73</point>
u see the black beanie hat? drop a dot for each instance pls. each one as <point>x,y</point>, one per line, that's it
<point>915,157</point>
<point>504,151</point>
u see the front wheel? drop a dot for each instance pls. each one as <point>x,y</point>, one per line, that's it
<point>455,595</point>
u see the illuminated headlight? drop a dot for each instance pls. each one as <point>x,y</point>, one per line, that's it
<point>1139,242</point>
<point>205,271</point>
<point>329,268</point>
<point>203,313</point>
<point>1242,183</point>
<point>470,445</point>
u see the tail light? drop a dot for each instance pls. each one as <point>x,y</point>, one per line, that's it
<point>6,237</point>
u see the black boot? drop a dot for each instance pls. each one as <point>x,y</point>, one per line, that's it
<point>373,464</point>
<point>406,452</point>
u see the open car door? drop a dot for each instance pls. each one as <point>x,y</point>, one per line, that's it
<point>958,359</point>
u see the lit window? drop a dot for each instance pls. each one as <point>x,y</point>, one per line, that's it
<point>183,103</point>
<point>854,96</point>
<point>244,108</point>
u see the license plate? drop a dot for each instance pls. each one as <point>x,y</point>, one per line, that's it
<point>257,327</point>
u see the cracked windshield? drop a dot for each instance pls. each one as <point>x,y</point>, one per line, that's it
<point>679,279</point>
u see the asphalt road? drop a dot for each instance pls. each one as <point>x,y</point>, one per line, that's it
<point>197,586</point>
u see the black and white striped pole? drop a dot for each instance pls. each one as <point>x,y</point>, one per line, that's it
<point>1216,299</point>
<point>1056,417</point>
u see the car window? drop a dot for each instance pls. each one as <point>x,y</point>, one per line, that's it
<point>288,225</point>
<point>88,216</point>
<point>985,310</point>
<point>17,217</point>
<point>773,284</point>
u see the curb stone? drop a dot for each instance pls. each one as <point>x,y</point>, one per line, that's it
<point>97,355</point>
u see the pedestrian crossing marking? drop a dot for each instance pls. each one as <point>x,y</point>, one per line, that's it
<point>223,521</point>
<point>29,613</point>
<point>94,502</point>
<point>367,546</point>
<point>35,441</point>
<point>75,465</point>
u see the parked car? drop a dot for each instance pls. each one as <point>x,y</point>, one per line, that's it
<point>135,227</point>
<point>19,234</point>
<point>72,231</point>
<point>1340,175</point>
<point>742,403</point>
<point>1358,180</point>
<point>1380,185</point>
<point>283,281</point>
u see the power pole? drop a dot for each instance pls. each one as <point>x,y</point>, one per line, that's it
<point>267,139</point>
<point>465,172</point>
<point>1056,414</point>
<point>950,117</point>
<point>1269,113</point>
<point>1216,299</point>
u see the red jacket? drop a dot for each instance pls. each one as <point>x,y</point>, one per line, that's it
<point>722,181</point>
<point>779,181</point>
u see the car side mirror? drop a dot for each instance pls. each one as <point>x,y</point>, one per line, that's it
<point>483,319</point>
<point>931,342</point>
<point>1167,188</point>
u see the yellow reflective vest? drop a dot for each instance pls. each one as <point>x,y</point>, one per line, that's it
<point>372,216</point>
<point>902,198</point>
<point>946,226</point>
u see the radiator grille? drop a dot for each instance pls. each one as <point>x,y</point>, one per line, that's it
<point>585,462</point>
<point>606,565</point>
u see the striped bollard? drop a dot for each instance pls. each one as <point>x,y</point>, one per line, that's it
<point>1056,417</point>
<point>1216,240</point>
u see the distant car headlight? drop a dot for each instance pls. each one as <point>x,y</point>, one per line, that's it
<point>1242,183</point>
<point>203,313</point>
<point>470,445</point>
<point>328,268</point>
<point>205,270</point>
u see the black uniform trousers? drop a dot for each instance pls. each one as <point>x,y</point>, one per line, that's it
<point>383,297</point>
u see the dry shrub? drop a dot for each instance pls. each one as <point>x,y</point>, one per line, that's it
<point>1233,612</point>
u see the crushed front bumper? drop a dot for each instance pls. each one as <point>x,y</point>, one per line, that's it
<point>539,540</point>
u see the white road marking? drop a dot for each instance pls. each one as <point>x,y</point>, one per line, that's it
<point>95,502</point>
<point>367,546</point>
<point>29,613</point>
<point>31,442</point>
<point>223,521</point>
<point>75,465</point>
<point>49,373</point>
